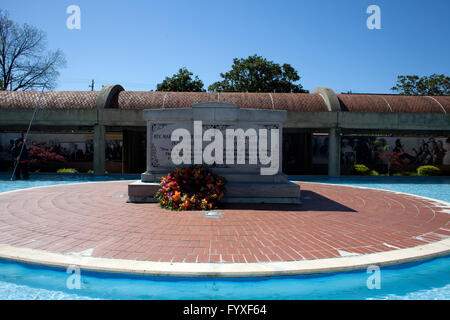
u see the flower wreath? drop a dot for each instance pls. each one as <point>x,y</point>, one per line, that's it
<point>191,188</point>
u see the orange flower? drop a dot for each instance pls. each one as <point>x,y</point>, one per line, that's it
<point>185,205</point>
<point>180,184</point>
<point>176,196</point>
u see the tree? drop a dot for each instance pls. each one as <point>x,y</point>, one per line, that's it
<point>24,61</point>
<point>412,85</point>
<point>181,81</point>
<point>256,74</point>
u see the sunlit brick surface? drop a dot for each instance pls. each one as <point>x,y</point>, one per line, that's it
<point>74,218</point>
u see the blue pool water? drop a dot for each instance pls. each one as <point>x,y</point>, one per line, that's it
<point>424,280</point>
<point>48,179</point>
<point>431,187</point>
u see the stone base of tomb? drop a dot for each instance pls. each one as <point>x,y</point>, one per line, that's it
<point>240,188</point>
<point>246,183</point>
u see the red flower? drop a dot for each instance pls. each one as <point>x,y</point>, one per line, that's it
<point>190,184</point>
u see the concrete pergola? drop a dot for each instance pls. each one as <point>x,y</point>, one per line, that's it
<point>321,111</point>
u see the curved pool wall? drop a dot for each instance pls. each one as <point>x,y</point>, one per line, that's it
<point>420,280</point>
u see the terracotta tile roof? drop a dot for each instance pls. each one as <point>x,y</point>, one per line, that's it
<point>280,101</point>
<point>445,102</point>
<point>394,103</point>
<point>50,99</point>
<point>413,104</point>
<point>362,103</point>
<point>139,100</point>
<point>158,99</point>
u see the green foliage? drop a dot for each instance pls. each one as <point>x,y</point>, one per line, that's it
<point>380,143</point>
<point>405,174</point>
<point>360,170</point>
<point>90,171</point>
<point>68,170</point>
<point>373,173</point>
<point>433,85</point>
<point>256,74</point>
<point>181,81</point>
<point>428,171</point>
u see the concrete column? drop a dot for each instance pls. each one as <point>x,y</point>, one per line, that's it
<point>334,152</point>
<point>99,149</point>
<point>149,147</point>
<point>280,150</point>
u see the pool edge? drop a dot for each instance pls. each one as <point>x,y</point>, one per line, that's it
<point>226,270</point>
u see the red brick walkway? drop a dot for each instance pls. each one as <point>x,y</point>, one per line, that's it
<point>94,218</point>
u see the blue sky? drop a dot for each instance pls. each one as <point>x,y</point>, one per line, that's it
<point>138,43</point>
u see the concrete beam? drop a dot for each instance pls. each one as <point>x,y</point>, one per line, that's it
<point>394,121</point>
<point>369,121</point>
<point>295,119</point>
<point>307,120</point>
<point>121,118</point>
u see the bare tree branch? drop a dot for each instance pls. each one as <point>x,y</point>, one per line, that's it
<point>24,62</point>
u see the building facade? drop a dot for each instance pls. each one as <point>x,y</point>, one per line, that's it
<point>325,133</point>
